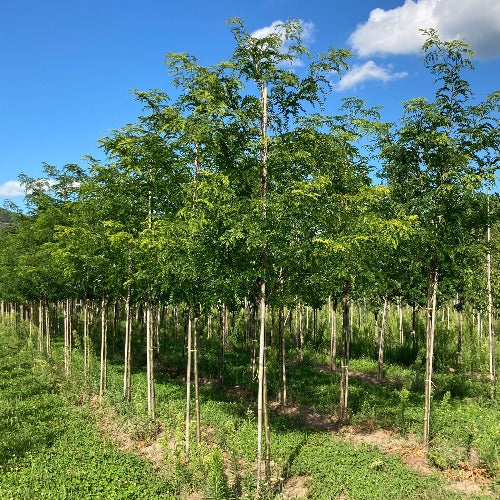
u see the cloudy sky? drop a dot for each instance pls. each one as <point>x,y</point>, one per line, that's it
<point>67,67</point>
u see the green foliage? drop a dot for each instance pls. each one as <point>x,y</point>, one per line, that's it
<point>335,468</point>
<point>49,447</point>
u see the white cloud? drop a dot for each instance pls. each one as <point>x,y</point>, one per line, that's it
<point>367,71</point>
<point>11,189</point>
<point>396,31</point>
<point>276,27</point>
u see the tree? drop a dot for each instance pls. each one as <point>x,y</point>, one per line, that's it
<point>437,161</point>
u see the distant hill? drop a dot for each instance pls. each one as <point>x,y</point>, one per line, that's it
<point>6,217</point>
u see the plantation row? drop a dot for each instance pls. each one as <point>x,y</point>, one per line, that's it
<point>241,208</point>
<point>41,439</point>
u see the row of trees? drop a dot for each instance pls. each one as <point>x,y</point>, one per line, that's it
<point>243,193</point>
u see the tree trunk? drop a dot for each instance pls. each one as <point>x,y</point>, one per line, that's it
<point>333,336</point>
<point>223,337</point>
<point>459,339</point>
<point>86,357</point>
<point>195,373</point>
<point>48,346</point>
<point>150,361</point>
<point>344,370</point>
<point>104,334</point>
<point>282,377</point>
<point>401,329</point>
<point>414,327</point>
<point>260,397</point>
<point>491,333</point>
<point>40,325</point>
<point>128,355</point>
<point>67,336</point>
<point>301,333</point>
<point>315,327</point>
<point>188,383</point>
<point>380,373</point>
<point>431,324</point>
<point>267,438</point>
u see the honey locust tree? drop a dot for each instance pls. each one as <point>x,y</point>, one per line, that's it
<point>437,159</point>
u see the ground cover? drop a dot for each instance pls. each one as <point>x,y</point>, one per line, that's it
<point>62,442</point>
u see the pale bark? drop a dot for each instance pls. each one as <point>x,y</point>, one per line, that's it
<point>150,361</point>
<point>333,335</point>
<point>40,325</point>
<point>104,341</point>
<point>431,324</point>
<point>459,339</point>
<point>491,333</point>
<point>344,370</point>
<point>86,357</point>
<point>282,360</point>
<point>195,375</point>
<point>67,335</point>
<point>188,386</point>
<point>48,345</point>
<point>260,397</point>
<point>401,329</point>
<point>128,344</point>
<point>380,373</point>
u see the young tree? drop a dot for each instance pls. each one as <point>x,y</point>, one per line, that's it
<point>436,162</point>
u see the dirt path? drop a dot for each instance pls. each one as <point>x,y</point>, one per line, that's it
<point>469,479</point>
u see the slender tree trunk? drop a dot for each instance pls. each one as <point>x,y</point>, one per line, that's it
<point>344,370</point>
<point>260,398</point>
<point>31,315</point>
<point>267,438</point>
<point>315,327</point>
<point>40,325</point>
<point>104,334</point>
<point>301,333</point>
<point>491,333</point>
<point>86,356</point>
<point>195,373</point>
<point>414,326</point>
<point>188,383</point>
<point>150,361</point>
<point>431,324</point>
<point>67,340</point>
<point>48,346</point>
<point>333,336</point>
<point>223,335</point>
<point>127,393</point>
<point>253,360</point>
<point>459,339</point>
<point>401,328</point>
<point>380,374</point>
<point>282,378</point>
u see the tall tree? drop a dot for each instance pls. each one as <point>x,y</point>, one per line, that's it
<point>437,161</point>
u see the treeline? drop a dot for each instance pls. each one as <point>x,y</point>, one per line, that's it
<point>243,196</point>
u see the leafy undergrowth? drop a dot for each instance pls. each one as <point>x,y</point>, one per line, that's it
<point>58,441</point>
<point>49,449</point>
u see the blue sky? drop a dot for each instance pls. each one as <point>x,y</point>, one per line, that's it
<point>67,67</point>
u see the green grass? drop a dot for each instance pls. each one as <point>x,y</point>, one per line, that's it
<point>52,449</point>
<point>49,448</point>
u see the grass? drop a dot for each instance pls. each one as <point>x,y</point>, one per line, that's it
<point>49,447</point>
<point>53,449</point>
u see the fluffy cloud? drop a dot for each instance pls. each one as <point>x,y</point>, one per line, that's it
<point>367,71</point>
<point>276,27</point>
<point>11,189</point>
<point>396,31</point>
